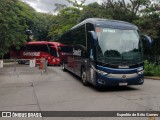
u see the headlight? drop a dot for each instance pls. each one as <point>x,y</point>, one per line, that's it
<point>99,71</point>
<point>102,72</point>
<point>140,69</point>
<point>141,72</point>
<point>57,59</point>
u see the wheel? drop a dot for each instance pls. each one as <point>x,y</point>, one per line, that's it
<point>19,62</point>
<point>63,66</point>
<point>47,63</point>
<point>84,77</point>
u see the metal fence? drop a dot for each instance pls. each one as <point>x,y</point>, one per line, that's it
<point>22,66</point>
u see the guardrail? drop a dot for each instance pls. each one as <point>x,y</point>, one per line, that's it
<point>19,66</point>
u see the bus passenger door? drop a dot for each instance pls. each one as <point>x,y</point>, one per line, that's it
<point>91,48</point>
<point>76,59</point>
<point>54,55</point>
<point>68,58</point>
<point>91,66</point>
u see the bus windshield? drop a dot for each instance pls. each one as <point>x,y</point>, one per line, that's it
<point>117,46</point>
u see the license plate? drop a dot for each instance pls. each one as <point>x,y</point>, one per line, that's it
<point>123,84</point>
<point>123,66</point>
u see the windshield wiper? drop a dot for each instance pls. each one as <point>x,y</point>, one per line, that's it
<point>104,64</point>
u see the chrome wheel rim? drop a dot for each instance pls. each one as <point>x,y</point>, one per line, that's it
<point>84,76</point>
<point>63,66</point>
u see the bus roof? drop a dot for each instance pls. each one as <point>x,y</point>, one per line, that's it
<point>99,22</point>
<point>42,42</point>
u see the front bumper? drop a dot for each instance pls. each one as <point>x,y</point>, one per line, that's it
<point>104,80</point>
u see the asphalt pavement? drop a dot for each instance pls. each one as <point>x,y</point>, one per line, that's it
<point>61,91</point>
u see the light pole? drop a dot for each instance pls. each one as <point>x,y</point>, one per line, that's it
<point>29,34</point>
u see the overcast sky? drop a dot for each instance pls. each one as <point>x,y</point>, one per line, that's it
<point>48,5</point>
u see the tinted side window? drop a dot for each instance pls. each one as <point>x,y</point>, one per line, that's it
<point>53,52</point>
<point>66,49</point>
<point>89,27</point>
<point>66,39</point>
<point>37,48</point>
<point>79,36</point>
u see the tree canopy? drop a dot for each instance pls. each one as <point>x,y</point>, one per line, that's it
<point>18,20</point>
<point>12,25</point>
<point>144,13</point>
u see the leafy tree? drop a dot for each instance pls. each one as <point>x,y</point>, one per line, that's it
<point>36,22</point>
<point>40,26</point>
<point>150,24</point>
<point>77,4</point>
<point>12,26</point>
<point>65,19</point>
<point>59,7</point>
<point>16,19</point>
<point>92,10</point>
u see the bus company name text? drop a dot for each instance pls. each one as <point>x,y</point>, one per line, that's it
<point>31,53</point>
<point>76,52</point>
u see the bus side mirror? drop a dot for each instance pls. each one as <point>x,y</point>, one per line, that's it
<point>93,37</point>
<point>147,41</point>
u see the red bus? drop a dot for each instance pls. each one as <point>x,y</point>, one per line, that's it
<point>38,50</point>
<point>64,51</point>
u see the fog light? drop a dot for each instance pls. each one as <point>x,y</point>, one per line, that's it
<point>100,81</point>
<point>141,81</point>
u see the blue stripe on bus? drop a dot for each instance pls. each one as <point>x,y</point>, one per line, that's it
<point>118,70</point>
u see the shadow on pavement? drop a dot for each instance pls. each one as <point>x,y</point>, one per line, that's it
<point>105,89</point>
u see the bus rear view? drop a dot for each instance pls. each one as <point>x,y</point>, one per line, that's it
<point>110,53</point>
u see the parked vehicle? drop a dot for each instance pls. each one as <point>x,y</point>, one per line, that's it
<point>38,50</point>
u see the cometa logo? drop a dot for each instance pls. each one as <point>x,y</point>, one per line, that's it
<point>31,53</point>
<point>124,76</point>
<point>76,52</point>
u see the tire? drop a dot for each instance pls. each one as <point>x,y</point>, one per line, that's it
<point>84,77</point>
<point>19,62</point>
<point>63,66</point>
<point>47,63</point>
